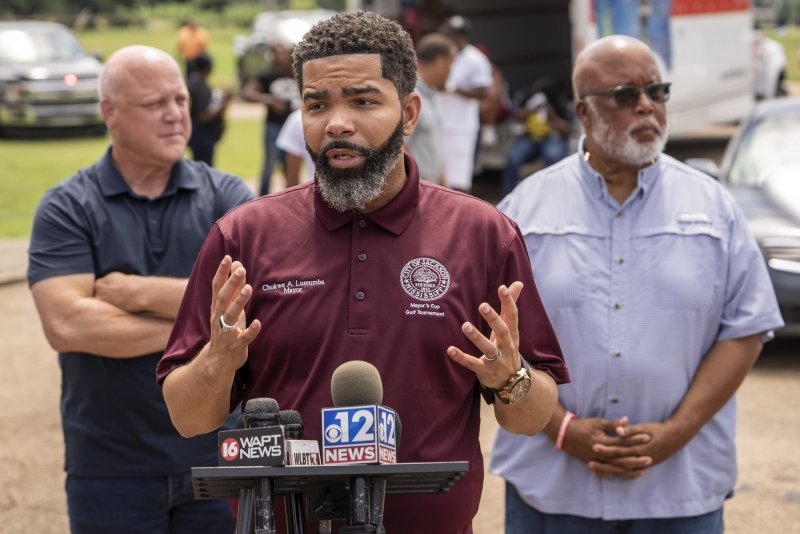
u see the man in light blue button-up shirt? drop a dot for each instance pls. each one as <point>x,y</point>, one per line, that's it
<point>660,299</point>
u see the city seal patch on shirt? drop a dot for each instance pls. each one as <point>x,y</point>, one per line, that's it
<point>425,279</point>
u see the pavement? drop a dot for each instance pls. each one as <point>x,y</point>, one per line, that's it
<point>13,260</point>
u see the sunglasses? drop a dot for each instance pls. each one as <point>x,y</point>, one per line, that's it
<point>626,96</point>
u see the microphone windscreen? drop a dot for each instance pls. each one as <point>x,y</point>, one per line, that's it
<point>261,405</point>
<point>356,383</point>
<point>290,417</point>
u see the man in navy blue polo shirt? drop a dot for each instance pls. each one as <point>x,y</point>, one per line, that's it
<point>110,252</point>
<point>368,263</point>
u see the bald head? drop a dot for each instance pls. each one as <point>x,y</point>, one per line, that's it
<point>605,58</point>
<point>133,65</point>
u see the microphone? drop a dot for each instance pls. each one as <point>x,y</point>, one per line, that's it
<point>260,442</point>
<point>296,454</point>
<point>359,430</point>
<point>299,451</point>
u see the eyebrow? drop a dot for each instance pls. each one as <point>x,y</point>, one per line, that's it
<point>346,91</point>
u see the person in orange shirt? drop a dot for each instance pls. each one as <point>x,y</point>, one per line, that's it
<point>192,41</point>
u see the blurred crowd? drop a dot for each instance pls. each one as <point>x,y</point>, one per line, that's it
<point>468,110</point>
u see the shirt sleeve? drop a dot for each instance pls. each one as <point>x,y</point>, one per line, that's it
<point>233,191</point>
<point>60,241</point>
<point>290,139</point>
<point>750,303</point>
<point>537,339</point>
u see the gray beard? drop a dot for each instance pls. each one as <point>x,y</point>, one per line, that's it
<point>353,189</point>
<point>620,146</point>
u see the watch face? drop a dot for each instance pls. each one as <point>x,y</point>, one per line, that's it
<point>520,389</point>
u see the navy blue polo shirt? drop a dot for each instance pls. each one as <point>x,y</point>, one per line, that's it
<point>113,413</point>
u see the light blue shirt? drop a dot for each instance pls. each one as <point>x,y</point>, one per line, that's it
<point>637,293</point>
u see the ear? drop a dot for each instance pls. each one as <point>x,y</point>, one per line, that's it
<point>583,115</point>
<point>107,110</point>
<point>412,107</point>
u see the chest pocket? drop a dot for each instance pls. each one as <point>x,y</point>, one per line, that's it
<point>681,267</point>
<point>565,260</point>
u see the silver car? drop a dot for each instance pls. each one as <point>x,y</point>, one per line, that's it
<point>761,168</point>
<point>46,79</point>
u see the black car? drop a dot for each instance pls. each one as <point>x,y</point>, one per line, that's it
<point>46,79</point>
<point>761,168</point>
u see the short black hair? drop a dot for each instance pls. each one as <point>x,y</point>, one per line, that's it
<point>361,32</point>
<point>434,45</point>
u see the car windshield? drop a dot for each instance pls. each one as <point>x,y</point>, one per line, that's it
<point>766,144</point>
<point>38,46</point>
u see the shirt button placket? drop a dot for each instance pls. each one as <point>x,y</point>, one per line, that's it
<point>620,240</point>
<point>361,278</point>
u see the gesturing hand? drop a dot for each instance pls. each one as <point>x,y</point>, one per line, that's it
<point>499,354</point>
<point>230,334</point>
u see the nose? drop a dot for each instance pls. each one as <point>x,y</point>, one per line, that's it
<point>340,123</point>
<point>644,105</point>
<point>174,111</point>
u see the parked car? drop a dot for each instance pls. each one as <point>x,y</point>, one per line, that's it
<point>761,168</point>
<point>284,27</point>
<point>46,79</point>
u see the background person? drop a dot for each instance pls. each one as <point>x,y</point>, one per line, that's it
<point>207,111</point>
<point>660,296</point>
<point>293,143</point>
<point>435,54</point>
<point>193,40</point>
<point>277,90</point>
<point>544,119</point>
<point>109,255</point>
<point>382,265</point>
<point>469,81</point>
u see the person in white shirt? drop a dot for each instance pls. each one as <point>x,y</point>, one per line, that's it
<point>291,141</point>
<point>469,81</point>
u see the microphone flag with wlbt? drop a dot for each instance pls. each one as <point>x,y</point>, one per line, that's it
<point>358,430</point>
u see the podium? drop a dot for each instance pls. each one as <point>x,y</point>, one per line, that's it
<point>403,478</point>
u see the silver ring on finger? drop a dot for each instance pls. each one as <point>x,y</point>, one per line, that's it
<point>495,357</point>
<point>225,326</point>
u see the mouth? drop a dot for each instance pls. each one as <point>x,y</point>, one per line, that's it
<point>343,159</point>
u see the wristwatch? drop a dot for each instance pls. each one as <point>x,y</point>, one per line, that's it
<point>517,386</point>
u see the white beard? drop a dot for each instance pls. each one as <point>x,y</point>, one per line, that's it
<point>621,146</point>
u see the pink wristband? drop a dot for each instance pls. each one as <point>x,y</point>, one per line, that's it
<point>562,430</point>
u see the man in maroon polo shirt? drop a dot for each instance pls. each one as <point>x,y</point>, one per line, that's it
<point>369,263</point>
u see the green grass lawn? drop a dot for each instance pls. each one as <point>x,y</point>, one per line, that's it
<point>30,167</point>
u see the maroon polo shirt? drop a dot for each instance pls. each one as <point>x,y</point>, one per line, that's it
<point>390,287</point>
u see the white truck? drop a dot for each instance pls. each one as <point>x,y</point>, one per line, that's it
<point>709,49</point>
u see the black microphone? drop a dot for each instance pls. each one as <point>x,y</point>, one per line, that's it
<point>261,413</point>
<point>360,430</point>
<point>292,424</point>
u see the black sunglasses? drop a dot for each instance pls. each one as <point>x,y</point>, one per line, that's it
<point>626,96</point>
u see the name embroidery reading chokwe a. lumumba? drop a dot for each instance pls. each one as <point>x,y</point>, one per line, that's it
<point>292,286</point>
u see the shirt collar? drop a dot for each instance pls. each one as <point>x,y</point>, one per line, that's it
<point>112,183</point>
<point>394,217</point>
<point>597,185</point>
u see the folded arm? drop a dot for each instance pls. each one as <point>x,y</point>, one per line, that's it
<point>75,320</point>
